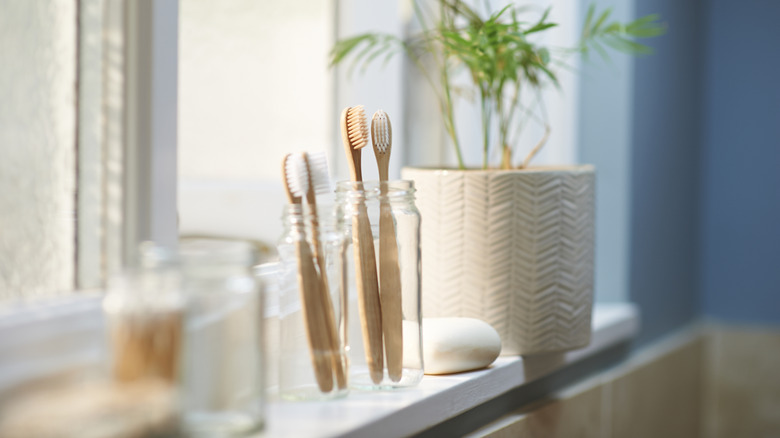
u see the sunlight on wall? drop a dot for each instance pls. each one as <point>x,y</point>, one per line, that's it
<point>37,143</point>
<point>253,86</point>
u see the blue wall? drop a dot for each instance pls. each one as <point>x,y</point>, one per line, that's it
<point>705,185</point>
<point>740,214</point>
<point>665,165</point>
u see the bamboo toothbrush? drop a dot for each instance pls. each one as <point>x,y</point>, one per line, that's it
<point>354,134</point>
<point>308,281</point>
<point>389,271</point>
<point>319,183</point>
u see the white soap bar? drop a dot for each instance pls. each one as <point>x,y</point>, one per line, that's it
<point>453,345</point>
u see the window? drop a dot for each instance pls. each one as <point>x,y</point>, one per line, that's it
<point>93,153</point>
<point>83,175</point>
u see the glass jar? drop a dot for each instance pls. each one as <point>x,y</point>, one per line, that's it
<point>382,226</point>
<point>312,359</point>
<point>223,388</point>
<point>267,276</point>
<point>145,312</point>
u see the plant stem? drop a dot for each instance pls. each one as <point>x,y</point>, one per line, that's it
<point>536,148</point>
<point>504,121</point>
<point>442,92</point>
<point>444,99</point>
<point>514,103</point>
<point>543,140</point>
<point>450,117</point>
<point>485,127</point>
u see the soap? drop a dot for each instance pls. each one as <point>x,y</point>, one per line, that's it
<point>454,345</point>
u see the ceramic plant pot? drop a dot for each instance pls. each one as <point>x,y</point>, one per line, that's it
<point>512,248</point>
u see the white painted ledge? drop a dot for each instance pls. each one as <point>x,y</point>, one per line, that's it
<point>40,341</point>
<point>438,398</point>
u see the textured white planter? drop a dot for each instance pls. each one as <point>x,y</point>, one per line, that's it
<point>512,248</point>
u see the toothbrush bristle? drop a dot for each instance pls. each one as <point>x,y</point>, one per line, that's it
<point>380,131</point>
<point>318,170</point>
<point>357,127</point>
<point>295,172</point>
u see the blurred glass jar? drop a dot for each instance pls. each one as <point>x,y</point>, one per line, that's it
<point>223,388</point>
<point>267,275</point>
<point>312,361</point>
<point>381,218</point>
<point>145,312</point>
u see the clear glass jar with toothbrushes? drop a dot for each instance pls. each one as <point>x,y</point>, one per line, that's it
<point>382,227</point>
<point>311,344</point>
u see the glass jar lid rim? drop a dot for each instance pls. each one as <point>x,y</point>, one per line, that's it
<point>393,188</point>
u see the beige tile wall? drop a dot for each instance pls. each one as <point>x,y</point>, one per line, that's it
<point>575,413</point>
<point>654,394</point>
<point>709,381</point>
<point>742,369</point>
<point>660,397</point>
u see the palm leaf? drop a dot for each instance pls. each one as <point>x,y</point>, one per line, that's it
<point>497,54</point>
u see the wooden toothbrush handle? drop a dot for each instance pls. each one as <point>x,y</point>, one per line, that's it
<point>369,305</point>
<point>313,318</point>
<point>326,306</point>
<point>390,293</point>
<point>334,343</point>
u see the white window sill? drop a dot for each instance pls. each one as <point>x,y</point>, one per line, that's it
<point>440,398</point>
<point>43,340</point>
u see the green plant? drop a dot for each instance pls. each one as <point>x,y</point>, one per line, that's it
<point>501,59</point>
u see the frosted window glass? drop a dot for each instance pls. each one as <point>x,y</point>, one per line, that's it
<point>37,147</point>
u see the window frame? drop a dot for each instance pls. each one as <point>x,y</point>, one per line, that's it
<point>126,123</point>
<point>150,134</point>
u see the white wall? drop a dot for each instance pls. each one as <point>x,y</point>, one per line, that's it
<point>253,86</point>
<point>37,145</point>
